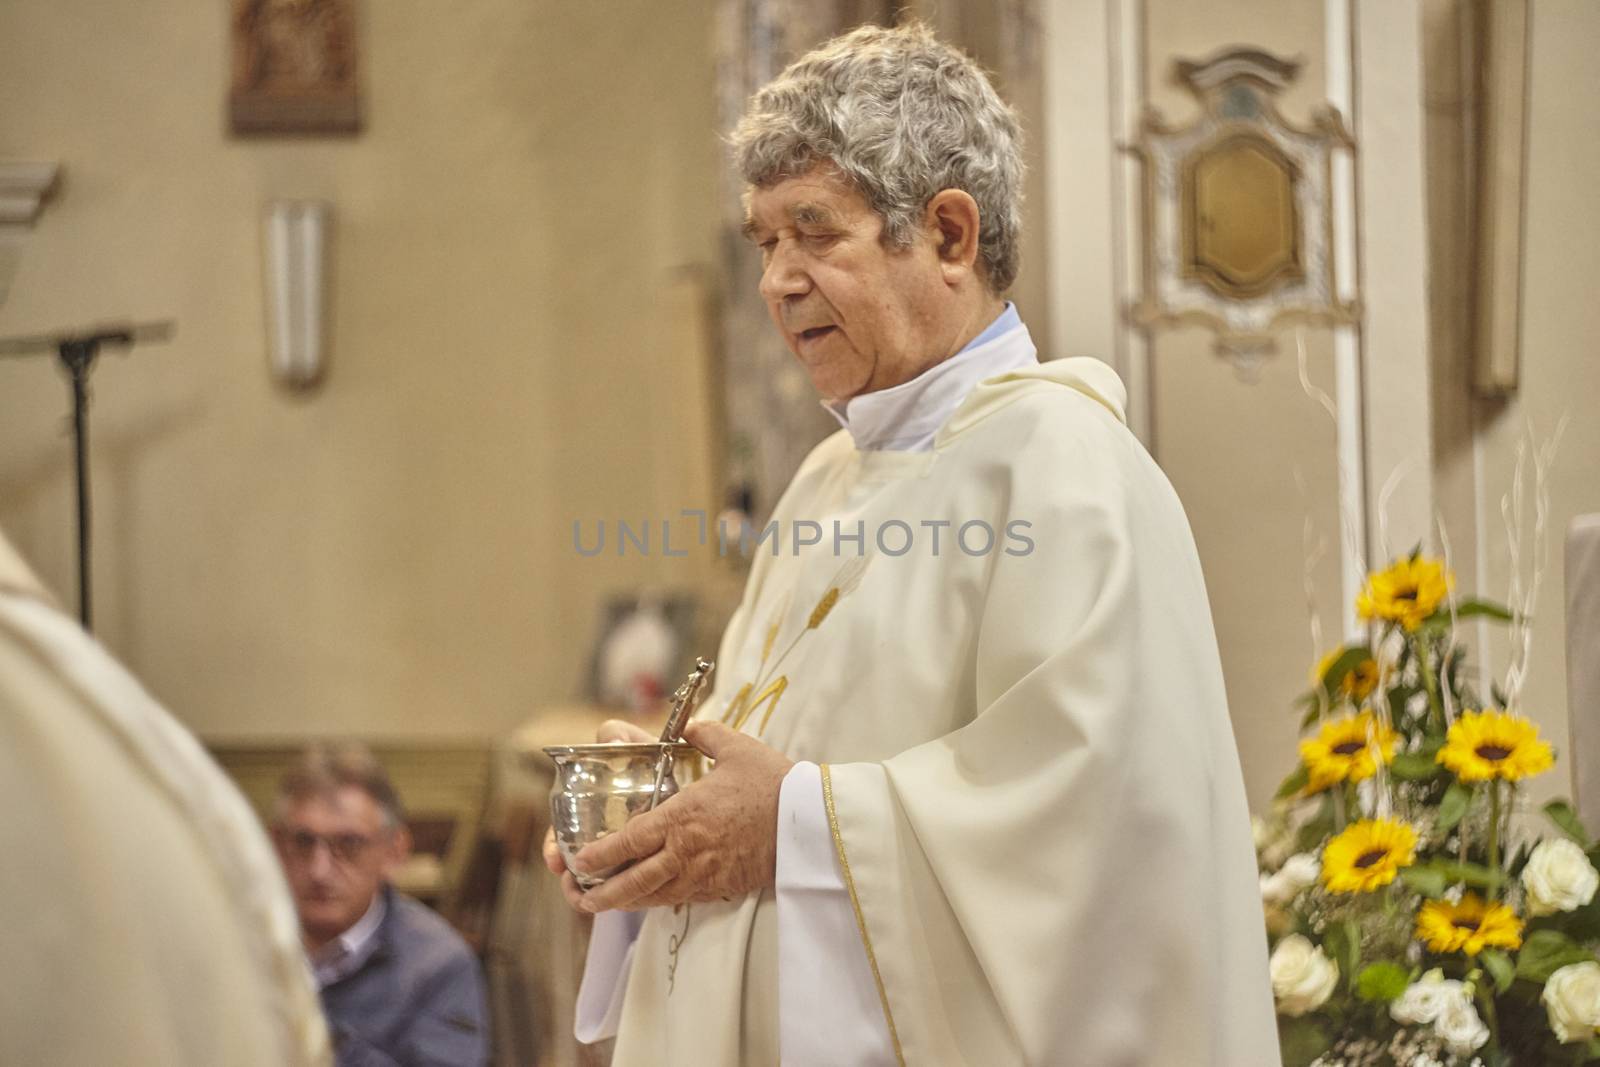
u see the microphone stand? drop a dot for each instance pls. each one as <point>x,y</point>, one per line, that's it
<point>76,352</point>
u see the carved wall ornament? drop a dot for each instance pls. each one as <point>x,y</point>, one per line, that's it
<point>294,67</point>
<point>1238,209</point>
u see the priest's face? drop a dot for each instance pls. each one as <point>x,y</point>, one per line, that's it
<point>337,850</point>
<point>859,314</point>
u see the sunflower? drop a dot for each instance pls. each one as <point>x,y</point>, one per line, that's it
<point>1494,744</point>
<point>1357,684</point>
<point>1342,750</point>
<point>1367,855</point>
<point>1470,926</point>
<point>1407,592</point>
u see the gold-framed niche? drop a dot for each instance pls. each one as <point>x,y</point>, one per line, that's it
<point>1238,218</point>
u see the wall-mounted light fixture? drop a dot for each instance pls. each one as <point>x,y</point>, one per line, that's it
<point>296,242</point>
<point>24,187</point>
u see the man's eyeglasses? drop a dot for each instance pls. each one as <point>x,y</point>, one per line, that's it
<point>345,848</point>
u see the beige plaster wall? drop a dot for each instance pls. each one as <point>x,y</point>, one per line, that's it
<point>514,347</point>
<point>1253,459</point>
<point>1560,331</point>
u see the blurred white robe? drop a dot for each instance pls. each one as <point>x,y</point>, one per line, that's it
<point>1028,768</point>
<point>146,922</point>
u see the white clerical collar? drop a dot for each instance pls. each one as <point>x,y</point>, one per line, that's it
<point>907,417</point>
<point>346,953</point>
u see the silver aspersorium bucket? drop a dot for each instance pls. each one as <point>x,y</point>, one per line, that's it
<point>599,787</point>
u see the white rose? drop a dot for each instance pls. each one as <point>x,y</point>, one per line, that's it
<point>1558,877</point>
<point>1572,1000</point>
<point>1272,840</point>
<point>1425,999</point>
<point>1460,1026</point>
<point>1298,871</point>
<point>1303,977</point>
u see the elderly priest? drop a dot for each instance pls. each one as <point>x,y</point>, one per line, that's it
<point>975,795</point>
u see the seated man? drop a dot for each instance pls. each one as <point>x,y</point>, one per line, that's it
<point>400,988</point>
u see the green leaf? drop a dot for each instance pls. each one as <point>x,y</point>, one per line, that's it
<point>1351,658</point>
<point>1547,951</point>
<point>1437,623</point>
<point>1399,697</point>
<point>1467,609</point>
<point>1491,1056</point>
<point>1415,766</point>
<point>1384,981</point>
<point>1318,828</point>
<point>1473,874</point>
<point>1342,942</point>
<point>1500,968</point>
<point>1295,783</point>
<point>1312,714</point>
<point>1566,819</point>
<point>1454,806</point>
<point>1582,923</point>
<point>1519,860</point>
<point>1500,698</point>
<point>1301,1041</point>
<point>1425,880</point>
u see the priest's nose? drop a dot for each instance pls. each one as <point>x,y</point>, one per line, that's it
<point>783,276</point>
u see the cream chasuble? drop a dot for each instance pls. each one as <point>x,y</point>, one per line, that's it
<point>1002,655</point>
<point>147,923</point>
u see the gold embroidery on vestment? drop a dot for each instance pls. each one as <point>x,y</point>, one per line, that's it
<point>741,707</point>
<point>861,919</point>
<point>674,944</point>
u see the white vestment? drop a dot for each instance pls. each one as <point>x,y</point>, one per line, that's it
<point>1029,777</point>
<point>146,922</point>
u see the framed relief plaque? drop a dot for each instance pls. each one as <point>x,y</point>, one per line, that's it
<point>294,67</point>
<point>1238,217</point>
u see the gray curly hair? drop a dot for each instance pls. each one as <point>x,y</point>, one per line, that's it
<point>903,115</point>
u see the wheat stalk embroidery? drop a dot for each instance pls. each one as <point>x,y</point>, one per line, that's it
<point>768,692</point>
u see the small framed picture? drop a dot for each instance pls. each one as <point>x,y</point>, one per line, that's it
<point>640,652</point>
<point>294,67</point>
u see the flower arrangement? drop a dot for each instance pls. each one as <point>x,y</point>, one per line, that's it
<point>1408,926</point>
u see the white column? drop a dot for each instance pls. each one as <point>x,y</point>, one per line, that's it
<point>1393,258</point>
<point>1091,102</point>
<point>1339,50</point>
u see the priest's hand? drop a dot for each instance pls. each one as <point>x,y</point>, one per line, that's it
<point>715,840</point>
<point>611,731</point>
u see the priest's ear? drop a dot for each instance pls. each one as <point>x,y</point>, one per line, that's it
<point>952,221</point>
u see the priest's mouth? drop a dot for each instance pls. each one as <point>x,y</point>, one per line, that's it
<point>815,333</point>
